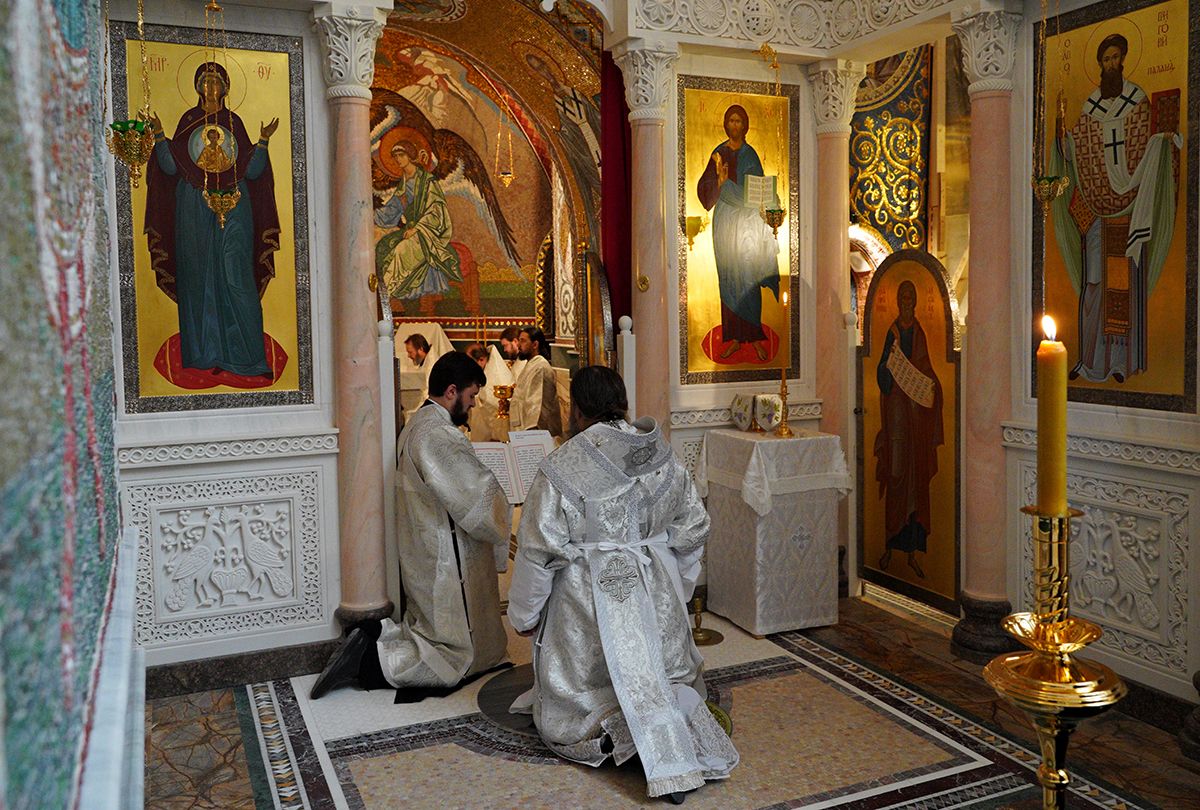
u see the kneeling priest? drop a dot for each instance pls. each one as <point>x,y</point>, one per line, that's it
<point>452,523</point>
<point>608,551</point>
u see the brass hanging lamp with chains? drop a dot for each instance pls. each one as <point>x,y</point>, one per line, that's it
<point>220,200</point>
<point>131,141</point>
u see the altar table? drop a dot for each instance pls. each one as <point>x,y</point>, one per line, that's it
<point>772,553</point>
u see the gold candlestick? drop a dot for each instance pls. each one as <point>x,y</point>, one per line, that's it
<point>1056,690</point>
<point>702,636</point>
<point>783,431</point>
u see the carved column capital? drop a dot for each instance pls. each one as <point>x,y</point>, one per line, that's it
<point>348,34</point>
<point>835,85</point>
<point>649,70</point>
<point>989,46</point>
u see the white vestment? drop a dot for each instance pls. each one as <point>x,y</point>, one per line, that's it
<point>485,425</point>
<point>535,400</point>
<point>608,552</point>
<point>451,515</point>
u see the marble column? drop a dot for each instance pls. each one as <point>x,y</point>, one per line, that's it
<point>834,85</point>
<point>347,35</point>
<point>649,71</point>
<point>989,49</point>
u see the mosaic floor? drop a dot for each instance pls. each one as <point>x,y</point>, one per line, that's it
<point>874,712</point>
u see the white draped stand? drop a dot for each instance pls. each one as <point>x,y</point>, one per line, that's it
<point>772,553</point>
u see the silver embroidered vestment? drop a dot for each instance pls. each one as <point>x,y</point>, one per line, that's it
<point>450,516</point>
<point>609,548</point>
<point>535,399</point>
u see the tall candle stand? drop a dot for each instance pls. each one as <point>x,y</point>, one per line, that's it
<point>1056,690</point>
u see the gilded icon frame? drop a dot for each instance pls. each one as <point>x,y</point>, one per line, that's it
<point>1171,305</point>
<point>941,587</point>
<point>130,238</point>
<point>692,266</point>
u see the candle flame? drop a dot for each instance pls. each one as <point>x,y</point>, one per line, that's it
<point>1048,327</point>
<point>785,292</point>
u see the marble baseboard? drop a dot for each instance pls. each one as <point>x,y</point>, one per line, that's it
<point>225,671</point>
<point>1158,709</point>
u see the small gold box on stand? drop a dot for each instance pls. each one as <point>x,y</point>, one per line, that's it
<point>1054,689</point>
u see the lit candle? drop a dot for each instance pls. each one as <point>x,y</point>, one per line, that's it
<point>1051,423</point>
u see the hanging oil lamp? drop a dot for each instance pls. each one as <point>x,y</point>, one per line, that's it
<point>505,177</point>
<point>220,200</point>
<point>132,141</point>
<point>1046,187</point>
<point>774,217</point>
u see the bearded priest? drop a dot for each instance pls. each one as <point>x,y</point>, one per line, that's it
<point>453,523</point>
<point>608,552</point>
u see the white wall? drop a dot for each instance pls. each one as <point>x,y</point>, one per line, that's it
<point>278,463</point>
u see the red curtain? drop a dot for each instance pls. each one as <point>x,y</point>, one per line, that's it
<point>615,170</point>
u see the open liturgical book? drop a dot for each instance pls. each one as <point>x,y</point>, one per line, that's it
<point>516,462</point>
<point>760,192</point>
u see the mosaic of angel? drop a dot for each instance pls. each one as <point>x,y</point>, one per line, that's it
<point>416,166</point>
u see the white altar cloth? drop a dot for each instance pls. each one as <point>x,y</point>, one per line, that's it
<point>772,554</point>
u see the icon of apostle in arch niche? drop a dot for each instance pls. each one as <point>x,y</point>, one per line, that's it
<point>216,271</point>
<point>745,250</point>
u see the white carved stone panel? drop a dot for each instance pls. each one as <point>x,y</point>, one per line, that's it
<point>225,556</point>
<point>1128,564</point>
<point>805,23</point>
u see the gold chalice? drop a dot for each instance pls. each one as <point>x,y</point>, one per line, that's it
<point>503,394</point>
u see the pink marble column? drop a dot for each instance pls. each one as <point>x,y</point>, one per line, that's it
<point>988,40</point>
<point>348,44</point>
<point>834,83</point>
<point>648,72</point>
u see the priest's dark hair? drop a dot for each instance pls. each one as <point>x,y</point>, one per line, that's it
<point>417,341</point>
<point>457,369</point>
<point>538,336</point>
<point>598,393</point>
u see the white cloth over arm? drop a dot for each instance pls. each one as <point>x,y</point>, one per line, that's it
<point>451,515</point>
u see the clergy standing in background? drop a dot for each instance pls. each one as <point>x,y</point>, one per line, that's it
<point>452,518</point>
<point>609,549</point>
<point>535,400</point>
<point>509,346</point>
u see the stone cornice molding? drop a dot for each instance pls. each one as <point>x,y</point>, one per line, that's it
<point>835,85</point>
<point>1172,459</point>
<point>820,25</point>
<point>649,70</point>
<point>348,34</point>
<point>989,46</point>
<point>173,454</point>
<point>717,417</point>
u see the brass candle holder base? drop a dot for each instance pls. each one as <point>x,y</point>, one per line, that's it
<point>702,636</point>
<point>1056,690</point>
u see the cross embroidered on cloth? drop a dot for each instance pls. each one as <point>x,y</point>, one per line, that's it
<point>618,577</point>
